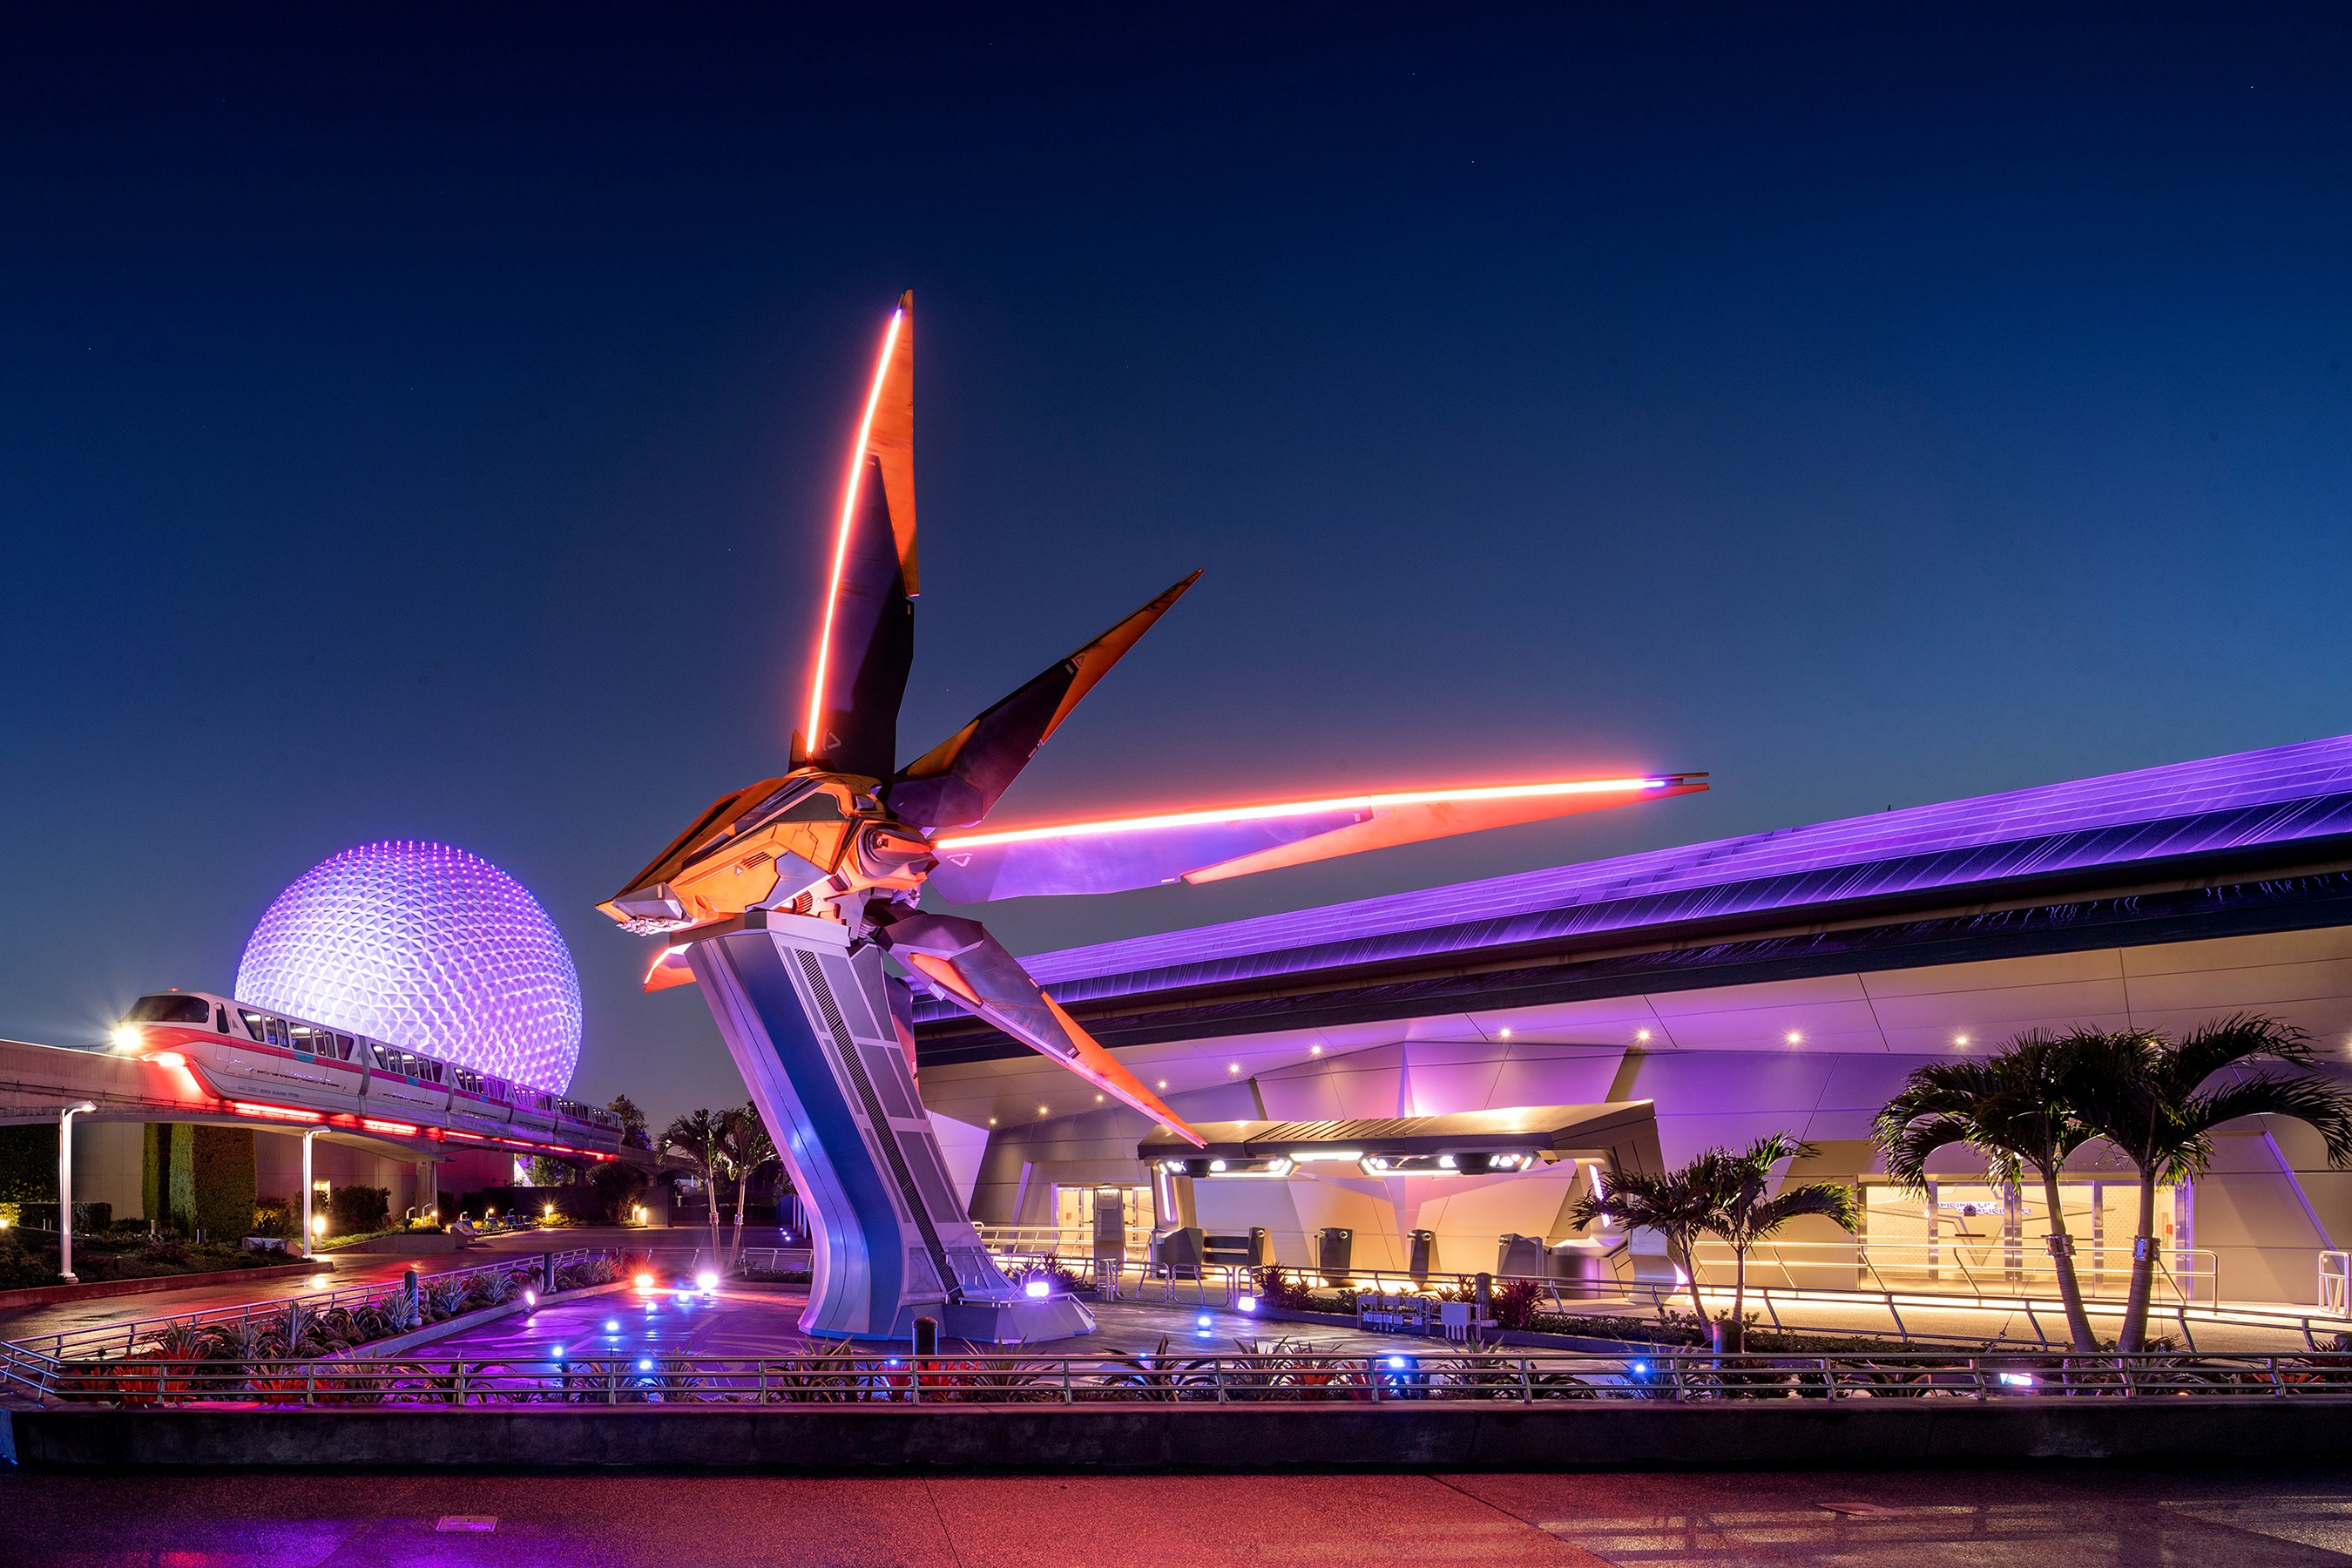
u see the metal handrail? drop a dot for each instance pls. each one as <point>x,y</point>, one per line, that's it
<point>776,1259</point>
<point>1291,1374</point>
<point>94,1341</point>
<point>1782,1306</point>
<point>2182,1273</point>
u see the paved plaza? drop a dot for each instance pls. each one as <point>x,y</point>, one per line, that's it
<point>753,1320</point>
<point>2047,1516</point>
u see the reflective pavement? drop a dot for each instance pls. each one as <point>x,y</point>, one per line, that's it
<point>2050,1515</point>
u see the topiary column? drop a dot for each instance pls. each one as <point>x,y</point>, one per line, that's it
<point>222,1181</point>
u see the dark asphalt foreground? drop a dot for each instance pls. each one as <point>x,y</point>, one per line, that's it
<point>2043,1517</point>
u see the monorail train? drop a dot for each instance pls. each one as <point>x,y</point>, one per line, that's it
<point>258,1056</point>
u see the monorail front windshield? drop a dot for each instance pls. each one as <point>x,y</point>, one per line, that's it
<point>176,1009</point>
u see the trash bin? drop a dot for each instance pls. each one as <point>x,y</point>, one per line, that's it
<point>1583,1271</point>
<point>1178,1249</point>
<point>1522,1256</point>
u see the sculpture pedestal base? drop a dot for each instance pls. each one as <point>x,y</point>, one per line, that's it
<point>1022,1320</point>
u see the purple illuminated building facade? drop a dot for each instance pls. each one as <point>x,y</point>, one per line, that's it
<point>424,946</point>
<point>1779,980</point>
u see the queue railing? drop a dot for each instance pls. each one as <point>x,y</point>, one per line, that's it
<point>1295,1374</point>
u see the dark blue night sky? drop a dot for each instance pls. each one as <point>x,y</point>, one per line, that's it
<point>429,428</point>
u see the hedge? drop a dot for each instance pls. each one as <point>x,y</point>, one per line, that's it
<point>222,1176</point>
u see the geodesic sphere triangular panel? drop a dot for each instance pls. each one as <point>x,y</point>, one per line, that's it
<point>424,946</point>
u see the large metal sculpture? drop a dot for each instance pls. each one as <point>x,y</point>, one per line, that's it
<point>787,901</point>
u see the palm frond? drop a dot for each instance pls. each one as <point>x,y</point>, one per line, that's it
<point>1825,1200</point>
<point>2306,1098</point>
<point>2226,1042</point>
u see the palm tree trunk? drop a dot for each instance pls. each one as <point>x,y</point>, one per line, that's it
<point>1734,1334</point>
<point>735,1253</point>
<point>2062,1259</point>
<point>2143,1276</point>
<point>1690,1272</point>
<point>710,1190</point>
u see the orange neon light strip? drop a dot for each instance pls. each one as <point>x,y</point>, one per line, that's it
<point>276,1112</point>
<point>402,1127</point>
<point>841,540</point>
<point>1303,808</point>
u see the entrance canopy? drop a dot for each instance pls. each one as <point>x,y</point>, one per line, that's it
<point>1622,1133</point>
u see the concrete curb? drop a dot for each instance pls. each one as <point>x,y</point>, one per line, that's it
<point>98,1290</point>
<point>1780,1435</point>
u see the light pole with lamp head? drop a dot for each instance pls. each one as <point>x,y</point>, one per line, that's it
<point>64,1188</point>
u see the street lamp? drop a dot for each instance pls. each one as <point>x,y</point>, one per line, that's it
<point>65,1189</point>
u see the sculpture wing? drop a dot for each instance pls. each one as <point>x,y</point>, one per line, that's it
<point>867,643</point>
<point>1234,841</point>
<point>971,969</point>
<point>960,779</point>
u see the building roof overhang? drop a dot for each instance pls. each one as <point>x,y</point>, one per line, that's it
<point>2259,841</point>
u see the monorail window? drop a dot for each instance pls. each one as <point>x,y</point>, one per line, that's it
<point>383,1059</point>
<point>172,1009</point>
<point>302,1037</point>
<point>252,1023</point>
<point>220,1020</point>
<point>343,1047</point>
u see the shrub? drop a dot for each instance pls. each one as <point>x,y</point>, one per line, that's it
<point>1283,1291</point>
<point>21,1268</point>
<point>88,1218</point>
<point>356,1211</point>
<point>616,1187</point>
<point>1515,1301</point>
<point>275,1217</point>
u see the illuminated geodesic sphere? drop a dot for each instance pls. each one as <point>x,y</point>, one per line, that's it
<point>424,946</point>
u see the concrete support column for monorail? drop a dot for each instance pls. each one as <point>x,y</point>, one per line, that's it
<point>65,1189</point>
<point>310,1233</point>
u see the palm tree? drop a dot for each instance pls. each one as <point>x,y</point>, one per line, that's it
<point>632,1119</point>
<point>1667,1202</point>
<point>1742,1215</point>
<point>743,1139</point>
<point>2147,1096</point>
<point>2015,1109</point>
<point>700,1137</point>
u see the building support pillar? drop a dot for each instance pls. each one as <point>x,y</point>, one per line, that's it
<point>65,1189</point>
<point>310,1226</point>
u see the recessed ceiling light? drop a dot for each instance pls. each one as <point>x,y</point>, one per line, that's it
<point>1507,1034</point>
<point>1794,1036</point>
<point>1163,1083</point>
<point>1641,1034</point>
<point>1232,1067</point>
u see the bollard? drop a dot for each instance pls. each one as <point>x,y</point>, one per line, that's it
<point>926,1336</point>
<point>1484,1290</point>
<point>546,1275</point>
<point>408,1290</point>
